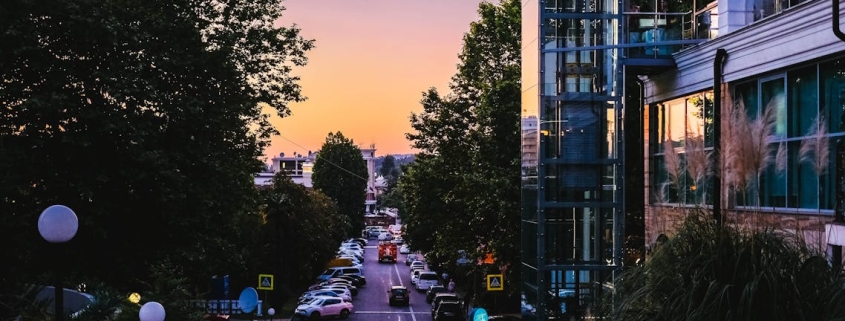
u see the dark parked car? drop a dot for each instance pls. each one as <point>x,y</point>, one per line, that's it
<point>434,289</point>
<point>357,280</point>
<point>449,311</point>
<point>440,297</point>
<point>398,295</point>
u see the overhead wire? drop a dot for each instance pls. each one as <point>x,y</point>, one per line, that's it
<point>326,159</point>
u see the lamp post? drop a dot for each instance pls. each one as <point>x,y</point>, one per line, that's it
<point>58,224</point>
<point>151,311</point>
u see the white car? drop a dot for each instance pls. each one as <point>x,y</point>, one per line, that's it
<point>405,249</point>
<point>342,291</point>
<point>419,264</point>
<point>415,275</point>
<point>310,295</point>
<point>425,280</point>
<point>324,307</point>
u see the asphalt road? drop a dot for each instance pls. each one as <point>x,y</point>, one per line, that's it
<point>371,302</point>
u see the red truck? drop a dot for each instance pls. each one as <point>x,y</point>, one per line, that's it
<point>387,252</point>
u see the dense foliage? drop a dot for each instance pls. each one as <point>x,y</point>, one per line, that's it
<point>462,191</point>
<point>145,118</point>
<point>340,172</point>
<point>709,271</point>
<point>302,230</point>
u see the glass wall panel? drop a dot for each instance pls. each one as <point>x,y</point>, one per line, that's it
<point>772,93</point>
<point>529,245</point>
<point>832,92</point>
<point>803,100</point>
<point>573,235</point>
<point>745,94</point>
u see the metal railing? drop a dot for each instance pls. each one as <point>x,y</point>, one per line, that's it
<point>661,34</point>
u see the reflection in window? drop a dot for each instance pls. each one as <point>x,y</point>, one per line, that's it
<point>685,124</point>
<point>799,98</point>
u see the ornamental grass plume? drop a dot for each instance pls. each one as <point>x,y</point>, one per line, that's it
<point>814,150</point>
<point>698,159</point>
<point>749,150</point>
<point>710,271</point>
<point>729,140</point>
<point>672,163</point>
<point>815,146</point>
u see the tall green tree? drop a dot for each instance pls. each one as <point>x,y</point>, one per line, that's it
<point>144,117</point>
<point>462,192</point>
<point>340,172</point>
<point>390,171</point>
<point>299,235</point>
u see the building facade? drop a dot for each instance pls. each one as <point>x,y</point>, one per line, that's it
<point>620,90</point>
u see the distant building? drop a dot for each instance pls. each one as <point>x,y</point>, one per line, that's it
<point>369,155</point>
<point>300,167</point>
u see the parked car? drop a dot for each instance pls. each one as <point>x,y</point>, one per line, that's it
<point>415,275</point>
<point>449,311</point>
<point>323,307</point>
<point>338,271</point>
<point>418,263</point>
<point>398,294</point>
<point>405,249</point>
<point>337,289</point>
<point>310,295</point>
<point>353,291</point>
<point>425,280</point>
<point>357,280</point>
<point>432,290</point>
<point>440,297</point>
<point>411,258</point>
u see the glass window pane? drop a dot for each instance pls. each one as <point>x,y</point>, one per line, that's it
<point>803,100</point>
<point>773,96</point>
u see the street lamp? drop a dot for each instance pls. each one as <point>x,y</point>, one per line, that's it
<point>58,224</point>
<point>151,311</point>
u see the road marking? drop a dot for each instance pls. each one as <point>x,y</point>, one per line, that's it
<point>399,276</point>
<point>388,312</point>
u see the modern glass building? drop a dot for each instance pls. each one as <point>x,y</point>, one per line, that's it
<point>572,216</point>
<point>607,85</point>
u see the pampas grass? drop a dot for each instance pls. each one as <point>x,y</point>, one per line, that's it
<point>749,152</point>
<point>814,150</point>
<point>672,162</point>
<point>698,159</point>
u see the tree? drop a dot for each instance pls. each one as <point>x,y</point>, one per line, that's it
<point>300,231</point>
<point>390,171</point>
<point>462,191</point>
<point>146,119</point>
<point>341,173</point>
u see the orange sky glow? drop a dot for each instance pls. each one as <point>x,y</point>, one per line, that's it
<point>371,63</point>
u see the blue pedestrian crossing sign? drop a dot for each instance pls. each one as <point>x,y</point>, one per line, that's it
<point>495,282</point>
<point>265,282</point>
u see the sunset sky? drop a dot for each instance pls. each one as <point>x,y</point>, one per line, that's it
<point>372,62</point>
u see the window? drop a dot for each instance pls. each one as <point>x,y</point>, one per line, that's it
<point>799,97</point>
<point>684,131</point>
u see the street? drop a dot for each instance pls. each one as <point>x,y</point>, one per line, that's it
<point>371,302</point>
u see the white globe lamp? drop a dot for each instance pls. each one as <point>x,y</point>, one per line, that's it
<point>58,224</point>
<point>151,311</point>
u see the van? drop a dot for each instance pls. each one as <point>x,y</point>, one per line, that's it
<point>338,271</point>
<point>339,262</point>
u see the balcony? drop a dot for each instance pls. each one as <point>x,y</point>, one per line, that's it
<point>653,37</point>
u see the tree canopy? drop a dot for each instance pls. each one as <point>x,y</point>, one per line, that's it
<point>340,172</point>
<point>145,118</point>
<point>462,191</point>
